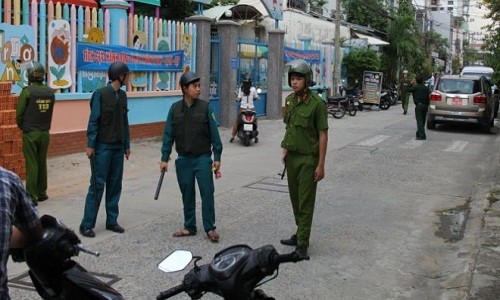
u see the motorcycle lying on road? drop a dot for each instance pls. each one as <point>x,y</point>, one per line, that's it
<point>234,273</point>
<point>53,273</point>
<point>247,126</point>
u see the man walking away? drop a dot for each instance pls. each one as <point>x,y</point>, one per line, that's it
<point>34,117</point>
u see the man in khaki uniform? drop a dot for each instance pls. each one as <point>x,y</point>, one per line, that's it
<point>304,149</point>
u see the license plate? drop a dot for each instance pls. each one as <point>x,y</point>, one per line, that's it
<point>247,127</point>
<point>455,101</point>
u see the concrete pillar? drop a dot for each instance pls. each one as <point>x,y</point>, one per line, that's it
<point>228,32</point>
<point>118,21</point>
<point>203,52</point>
<point>275,73</point>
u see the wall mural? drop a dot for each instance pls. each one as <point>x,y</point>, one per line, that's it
<point>93,80</point>
<point>17,45</point>
<point>59,55</point>
<point>140,41</point>
<point>163,78</point>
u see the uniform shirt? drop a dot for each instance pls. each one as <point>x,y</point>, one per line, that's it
<point>93,126</point>
<point>304,120</point>
<point>168,141</point>
<point>247,100</point>
<point>23,106</point>
<point>421,94</point>
<point>16,209</point>
<point>404,85</point>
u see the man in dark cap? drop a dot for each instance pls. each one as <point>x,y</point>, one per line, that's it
<point>192,125</point>
<point>108,142</point>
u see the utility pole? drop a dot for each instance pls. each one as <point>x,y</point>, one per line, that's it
<point>336,64</point>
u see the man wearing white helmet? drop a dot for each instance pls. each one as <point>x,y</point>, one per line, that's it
<point>404,85</point>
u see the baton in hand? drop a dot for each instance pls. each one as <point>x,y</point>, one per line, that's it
<point>282,174</point>
<point>158,187</point>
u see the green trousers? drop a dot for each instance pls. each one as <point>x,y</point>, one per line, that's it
<point>199,168</point>
<point>302,188</point>
<point>405,99</point>
<point>35,147</point>
<point>420,115</point>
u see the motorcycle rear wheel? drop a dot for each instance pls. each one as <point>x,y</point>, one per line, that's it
<point>246,140</point>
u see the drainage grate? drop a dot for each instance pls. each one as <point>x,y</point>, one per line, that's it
<point>23,281</point>
<point>270,184</point>
<point>452,222</point>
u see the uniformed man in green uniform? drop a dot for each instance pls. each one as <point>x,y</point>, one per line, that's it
<point>404,86</point>
<point>192,125</point>
<point>108,144</point>
<point>421,95</point>
<point>304,149</point>
<point>33,117</point>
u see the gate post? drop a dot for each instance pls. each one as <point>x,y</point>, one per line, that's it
<point>228,32</point>
<point>202,53</point>
<point>275,73</point>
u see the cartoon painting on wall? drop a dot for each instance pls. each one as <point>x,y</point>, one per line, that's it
<point>59,55</point>
<point>163,78</point>
<point>140,41</point>
<point>93,80</point>
<point>17,45</point>
<point>187,45</point>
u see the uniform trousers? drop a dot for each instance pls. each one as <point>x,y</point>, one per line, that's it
<point>35,147</point>
<point>302,187</point>
<point>199,168</point>
<point>106,166</point>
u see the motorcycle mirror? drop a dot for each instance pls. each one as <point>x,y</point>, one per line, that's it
<point>176,261</point>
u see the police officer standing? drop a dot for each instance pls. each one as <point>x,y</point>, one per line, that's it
<point>304,150</point>
<point>108,141</point>
<point>33,117</point>
<point>404,86</point>
<point>192,125</point>
<point>421,95</point>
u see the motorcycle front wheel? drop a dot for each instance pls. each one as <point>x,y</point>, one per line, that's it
<point>352,110</point>
<point>337,111</point>
<point>384,104</point>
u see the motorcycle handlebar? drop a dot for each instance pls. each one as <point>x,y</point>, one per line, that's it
<point>171,292</point>
<point>290,257</point>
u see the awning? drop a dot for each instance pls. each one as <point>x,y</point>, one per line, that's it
<point>252,51</point>
<point>151,2</point>
<point>87,3</point>
<point>237,12</point>
<point>371,40</point>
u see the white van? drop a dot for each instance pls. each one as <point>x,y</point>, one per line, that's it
<point>488,73</point>
<point>478,70</point>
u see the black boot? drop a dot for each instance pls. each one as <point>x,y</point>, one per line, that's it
<point>302,252</point>
<point>292,241</point>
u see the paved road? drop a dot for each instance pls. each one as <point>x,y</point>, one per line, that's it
<point>374,233</point>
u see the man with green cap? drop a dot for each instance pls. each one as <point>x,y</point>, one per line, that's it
<point>304,150</point>
<point>34,117</point>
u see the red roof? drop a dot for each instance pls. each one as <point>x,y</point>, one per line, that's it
<point>89,3</point>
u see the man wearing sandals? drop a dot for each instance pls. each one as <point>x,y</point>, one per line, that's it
<point>191,124</point>
<point>304,150</point>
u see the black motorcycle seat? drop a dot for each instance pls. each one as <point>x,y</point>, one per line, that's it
<point>336,98</point>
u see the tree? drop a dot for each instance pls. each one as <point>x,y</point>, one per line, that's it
<point>370,13</point>
<point>405,50</point>
<point>492,40</point>
<point>358,61</point>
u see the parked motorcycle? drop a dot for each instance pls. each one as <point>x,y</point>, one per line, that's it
<point>234,273</point>
<point>53,273</point>
<point>247,126</point>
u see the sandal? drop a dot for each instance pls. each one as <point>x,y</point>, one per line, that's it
<point>213,236</point>
<point>183,233</point>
